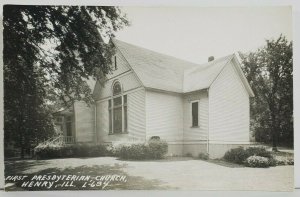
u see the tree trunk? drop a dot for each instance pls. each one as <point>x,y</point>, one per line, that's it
<point>273,122</point>
<point>275,130</point>
<point>21,139</point>
<point>22,146</point>
<point>274,140</point>
<point>22,152</point>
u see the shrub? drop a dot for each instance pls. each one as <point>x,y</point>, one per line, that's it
<point>259,151</point>
<point>155,138</point>
<point>9,152</point>
<point>280,161</point>
<point>81,150</point>
<point>133,151</point>
<point>91,150</point>
<point>257,162</point>
<point>110,150</point>
<point>239,155</point>
<point>67,151</point>
<point>188,155</point>
<point>157,149</point>
<point>203,156</point>
<point>154,149</point>
<point>272,162</point>
<point>48,151</point>
<point>236,155</point>
<point>290,161</point>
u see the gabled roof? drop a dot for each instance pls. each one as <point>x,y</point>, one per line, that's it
<point>155,70</point>
<point>201,77</point>
<point>167,73</point>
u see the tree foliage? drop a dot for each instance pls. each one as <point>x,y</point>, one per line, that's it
<point>49,54</point>
<point>269,71</point>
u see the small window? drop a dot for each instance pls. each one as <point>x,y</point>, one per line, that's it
<point>116,66</point>
<point>195,114</point>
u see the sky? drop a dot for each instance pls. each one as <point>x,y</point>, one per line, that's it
<point>195,33</point>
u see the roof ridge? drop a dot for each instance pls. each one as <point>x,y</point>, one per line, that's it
<point>207,64</point>
<point>208,73</point>
<point>165,72</point>
<point>217,60</point>
<point>159,53</point>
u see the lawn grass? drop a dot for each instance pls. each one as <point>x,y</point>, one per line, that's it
<point>172,173</point>
<point>95,182</point>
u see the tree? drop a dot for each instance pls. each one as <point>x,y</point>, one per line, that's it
<point>49,53</point>
<point>270,73</point>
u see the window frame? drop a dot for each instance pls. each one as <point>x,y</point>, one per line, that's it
<point>191,114</point>
<point>111,108</point>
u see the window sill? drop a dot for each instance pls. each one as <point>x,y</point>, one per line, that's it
<point>195,127</point>
<point>118,133</point>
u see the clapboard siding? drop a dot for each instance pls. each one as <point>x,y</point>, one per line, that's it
<point>200,133</point>
<point>122,65</point>
<point>84,122</point>
<point>136,119</point>
<point>228,107</point>
<point>164,115</point>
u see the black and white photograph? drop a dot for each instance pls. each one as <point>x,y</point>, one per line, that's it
<point>148,98</point>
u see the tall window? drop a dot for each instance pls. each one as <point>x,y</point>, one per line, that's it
<point>195,114</point>
<point>117,107</point>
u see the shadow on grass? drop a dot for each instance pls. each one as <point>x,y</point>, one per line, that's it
<point>166,159</point>
<point>224,163</point>
<point>93,183</point>
<point>20,166</point>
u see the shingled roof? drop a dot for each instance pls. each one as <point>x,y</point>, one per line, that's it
<point>201,77</point>
<point>167,73</point>
<point>155,70</point>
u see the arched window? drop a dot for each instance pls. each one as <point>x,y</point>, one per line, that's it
<point>116,89</point>
<point>117,107</point>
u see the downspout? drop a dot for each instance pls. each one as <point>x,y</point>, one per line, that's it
<point>95,122</point>
<point>207,143</point>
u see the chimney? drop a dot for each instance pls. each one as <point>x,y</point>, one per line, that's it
<point>211,58</point>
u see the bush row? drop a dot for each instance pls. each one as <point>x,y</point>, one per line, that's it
<point>239,155</point>
<point>255,157</point>
<point>49,151</point>
<point>154,149</point>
